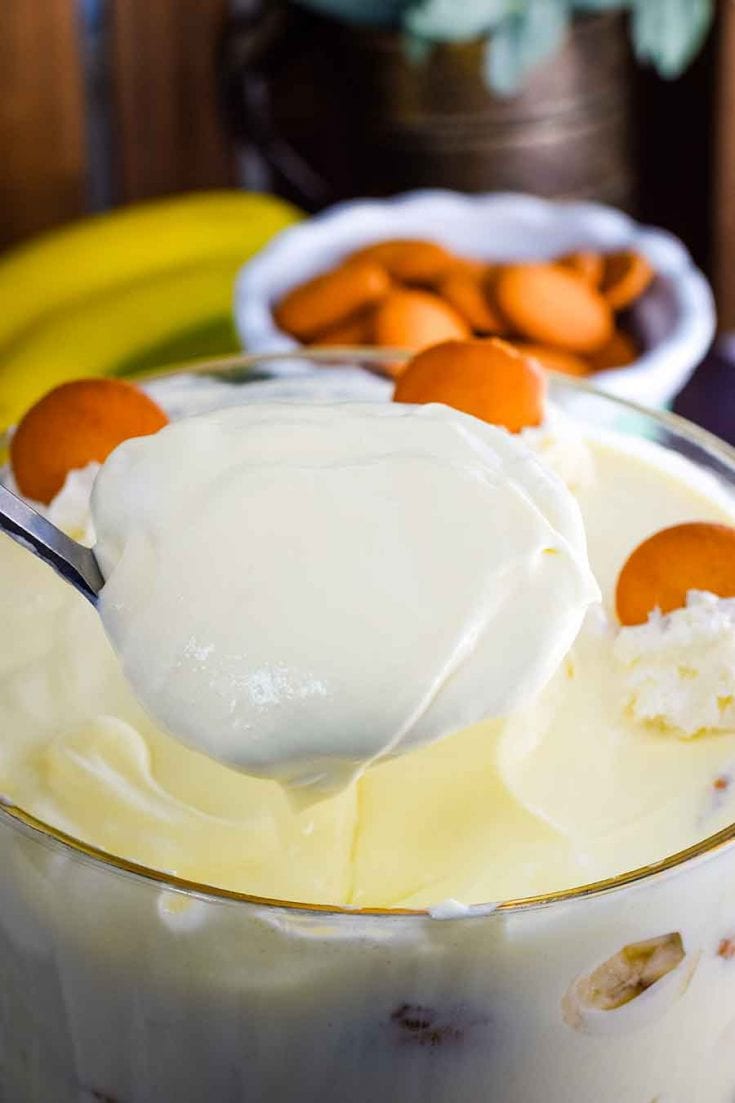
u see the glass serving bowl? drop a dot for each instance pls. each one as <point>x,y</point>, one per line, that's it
<point>123,984</point>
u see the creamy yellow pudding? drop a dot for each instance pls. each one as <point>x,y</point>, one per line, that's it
<point>583,782</point>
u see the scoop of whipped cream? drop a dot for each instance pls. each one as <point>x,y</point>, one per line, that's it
<point>298,590</point>
<point>680,667</point>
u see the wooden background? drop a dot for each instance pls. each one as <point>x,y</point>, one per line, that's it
<point>166,133</point>
<point>42,178</point>
<point>166,130</point>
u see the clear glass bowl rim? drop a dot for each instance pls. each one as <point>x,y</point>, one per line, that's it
<point>18,820</point>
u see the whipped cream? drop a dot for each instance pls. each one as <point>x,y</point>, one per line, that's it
<point>299,590</point>
<point>680,667</point>
<point>69,510</point>
<point>560,444</point>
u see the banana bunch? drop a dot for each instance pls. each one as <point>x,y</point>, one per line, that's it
<point>116,293</point>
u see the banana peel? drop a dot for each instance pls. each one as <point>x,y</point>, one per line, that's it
<point>165,318</point>
<point>61,269</point>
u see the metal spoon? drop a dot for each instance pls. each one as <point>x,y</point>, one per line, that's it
<point>75,563</point>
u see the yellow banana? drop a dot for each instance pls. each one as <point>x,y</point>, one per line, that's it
<point>95,254</point>
<point>171,316</point>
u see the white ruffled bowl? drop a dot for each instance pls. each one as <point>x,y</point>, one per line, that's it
<point>674,320</point>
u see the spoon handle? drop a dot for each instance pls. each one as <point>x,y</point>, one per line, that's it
<point>75,563</point>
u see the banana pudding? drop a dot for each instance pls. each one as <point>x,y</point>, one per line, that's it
<point>578,770</point>
<point>130,969</point>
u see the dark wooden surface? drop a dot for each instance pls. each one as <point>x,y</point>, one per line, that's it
<point>169,132</point>
<point>42,154</point>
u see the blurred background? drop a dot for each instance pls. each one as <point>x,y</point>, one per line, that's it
<point>107,103</point>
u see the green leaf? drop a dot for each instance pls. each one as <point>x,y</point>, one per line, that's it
<point>379,13</point>
<point>455,20</point>
<point>600,5</point>
<point>522,41</point>
<point>668,33</point>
